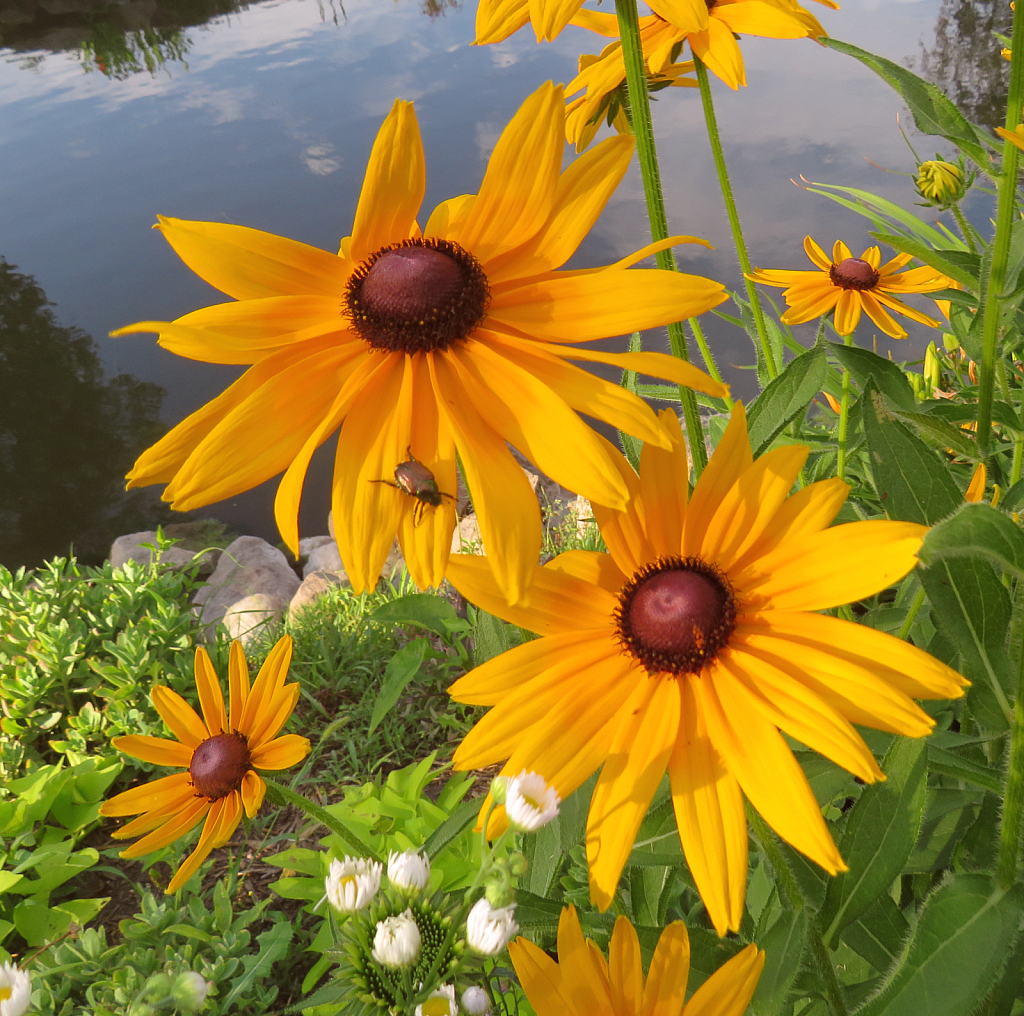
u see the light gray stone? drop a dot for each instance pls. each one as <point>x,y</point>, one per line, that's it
<point>466,538</point>
<point>313,587</point>
<point>310,543</point>
<point>247,619</point>
<point>249,565</point>
<point>392,570</point>
<point>325,557</point>
<point>130,548</point>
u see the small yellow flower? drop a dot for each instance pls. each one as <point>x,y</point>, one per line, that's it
<point>688,647</point>
<point>940,182</point>
<point>976,488</point>
<point>584,983</point>
<point>849,285</point>
<point>219,754</point>
<point>1015,137</point>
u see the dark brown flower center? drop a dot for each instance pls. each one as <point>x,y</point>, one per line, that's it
<point>219,764</point>
<point>676,614</point>
<point>417,295</point>
<point>853,273</point>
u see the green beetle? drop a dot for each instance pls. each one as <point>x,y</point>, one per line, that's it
<point>413,478</point>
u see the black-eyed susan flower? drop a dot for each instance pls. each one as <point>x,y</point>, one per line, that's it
<point>583,983</point>
<point>688,647</point>
<point>423,346</point>
<point>849,285</point>
<point>219,753</point>
<point>710,29</point>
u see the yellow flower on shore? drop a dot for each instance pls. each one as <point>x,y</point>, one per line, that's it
<point>583,983</point>
<point>711,33</point>
<point>688,647</point>
<point>441,345</point>
<point>850,285</point>
<point>219,752</point>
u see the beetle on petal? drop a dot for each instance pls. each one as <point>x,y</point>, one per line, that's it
<point>412,477</point>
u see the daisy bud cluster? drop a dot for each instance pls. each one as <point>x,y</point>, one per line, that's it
<point>15,990</point>
<point>397,941</point>
<point>409,870</point>
<point>352,883</point>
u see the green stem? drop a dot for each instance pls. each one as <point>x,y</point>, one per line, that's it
<point>833,992</point>
<point>1018,459</point>
<point>844,419</point>
<point>284,795</point>
<point>784,879</point>
<point>995,288</point>
<point>647,156</point>
<point>734,218</point>
<point>915,606</point>
<point>965,228</point>
<point>709,358</point>
<point>1013,800</point>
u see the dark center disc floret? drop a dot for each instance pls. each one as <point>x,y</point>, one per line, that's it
<point>417,295</point>
<point>219,765</point>
<point>676,615</point>
<point>853,273</point>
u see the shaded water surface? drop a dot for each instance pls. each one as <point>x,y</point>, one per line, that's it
<point>263,114</point>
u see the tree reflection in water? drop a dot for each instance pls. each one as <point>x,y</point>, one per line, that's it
<point>965,61</point>
<point>67,436</point>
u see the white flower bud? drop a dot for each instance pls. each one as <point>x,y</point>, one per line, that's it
<point>488,930</point>
<point>15,990</point>
<point>396,942</point>
<point>475,1001</point>
<point>409,870</point>
<point>352,883</point>
<point>440,1003</point>
<point>530,803</point>
<point>189,990</point>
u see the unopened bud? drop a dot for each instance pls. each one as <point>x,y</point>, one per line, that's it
<point>475,1001</point>
<point>409,870</point>
<point>499,787</point>
<point>488,929</point>
<point>396,943</point>
<point>189,991</point>
<point>157,988</point>
<point>530,803</point>
<point>517,864</point>
<point>941,183</point>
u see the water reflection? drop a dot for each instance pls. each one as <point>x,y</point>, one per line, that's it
<point>116,39</point>
<point>67,436</point>
<point>965,60</point>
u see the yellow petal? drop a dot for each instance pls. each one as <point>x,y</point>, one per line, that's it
<point>268,683</point>
<point>664,488</point>
<point>752,17</point>
<point>238,685</point>
<point>147,796</point>
<point>581,308</point>
<point>540,978</point>
<point>881,316</point>
<point>211,698</point>
<point>449,218</point>
<point>625,972</point>
<point>590,566</point>
<point>710,816</point>
<point>549,17</point>
<point>168,808</point>
<point>665,990</point>
<point>281,753</point>
<point>518,188</point>
<point>847,314</point>
<point>393,186</point>
<point>765,768</point>
<point>253,792</point>
<point>181,719</point>
<point>635,765</point>
<point>496,20</point>
<point>187,819</point>
<point>249,264</point>
<point>728,991</point>
<point>220,824</point>
<point>837,565</point>
<point>718,48</point>
<point>686,15</point>
<point>817,255</point>
<point>574,963</point>
<point>156,750</point>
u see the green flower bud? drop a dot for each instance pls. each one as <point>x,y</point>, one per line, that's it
<point>189,991</point>
<point>157,988</point>
<point>940,183</point>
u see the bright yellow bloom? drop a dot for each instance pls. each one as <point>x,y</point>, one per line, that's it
<point>1015,137</point>
<point>688,647</point>
<point>219,752</point>
<point>584,983</point>
<point>710,30</point>
<point>850,285</point>
<point>434,345</point>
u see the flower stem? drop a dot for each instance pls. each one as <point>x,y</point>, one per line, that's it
<point>284,795</point>
<point>1013,800</point>
<point>994,290</point>
<point>915,606</point>
<point>965,228</point>
<point>647,156</point>
<point>709,358</point>
<point>844,419</point>
<point>734,217</point>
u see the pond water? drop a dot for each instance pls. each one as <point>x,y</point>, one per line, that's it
<point>264,115</point>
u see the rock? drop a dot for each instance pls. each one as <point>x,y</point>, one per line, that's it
<point>583,513</point>
<point>310,543</point>
<point>247,619</point>
<point>249,565</point>
<point>330,524</point>
<point>313,587</point>
<point>393,566</point>
<point>130,548</point>
<point>324,557</point>
<point>466,538</point>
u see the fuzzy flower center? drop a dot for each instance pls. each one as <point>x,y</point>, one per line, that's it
<point>675,615</point>
<point>219,764</point>
<point>417,295</point>
<point>5,993</point>
<point>853,273</point>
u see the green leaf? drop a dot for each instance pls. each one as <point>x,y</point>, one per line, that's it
<point>956,949</point>
<point>492,637</point>
<point>188,931</point>
<point>939,434</point>
<point>786,397</point>
<point>878,933</point>
<point>962,265</point>
<point>866,366</point>
<point>973,609</point>
<point>880,834</point>
<point>976,530</point>
<point>273,946</point>
<point>960,768</point>
<point>7,879</point>
<point>912,482</point>
<point>784,948</point>
<point>932,111</point>
<point>533,911</point>
<point>424,610</point>
<point>461,819</point>
<point>401,669</point>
